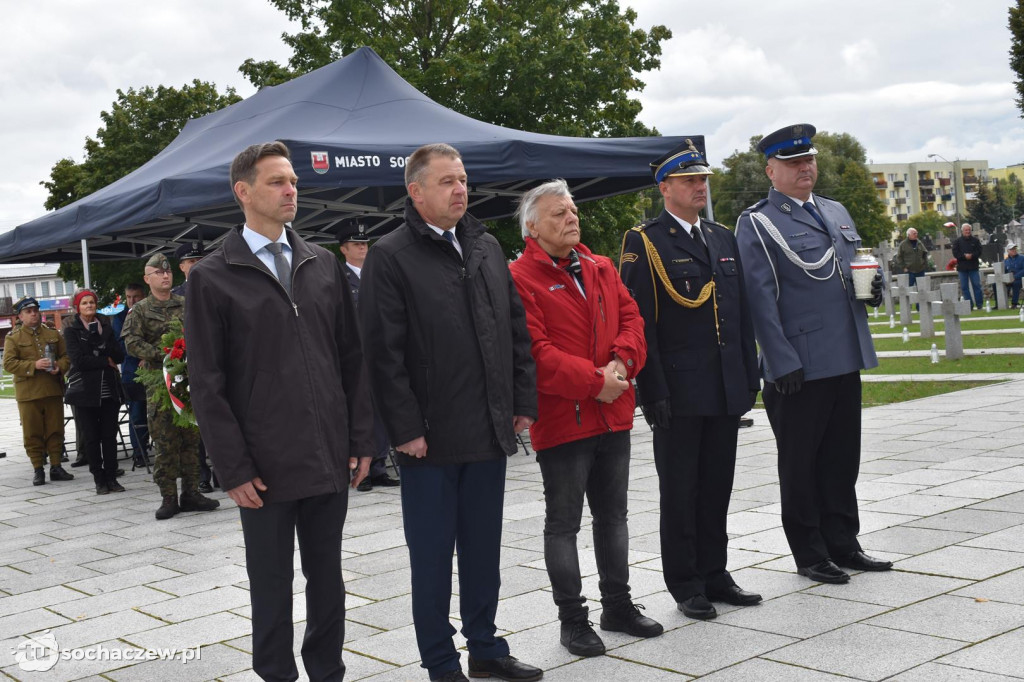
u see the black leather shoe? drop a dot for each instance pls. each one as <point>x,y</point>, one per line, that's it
<point>39,477</point>
<point>859,561</point>
<point>365,485</point>
<point>627,618</point>
<point>205,487</point>
<point>58,474</point>
<point>735,596</point>
<point>118,473</point>
<point>102,489</point>
<point>504,668</point>
<point>824,572</point>
<point>385,481</point>
<point>579,638</point>
<point>697,607</point>
<point>115,487</point>
<point>80,462</point>
<point>452,676</point>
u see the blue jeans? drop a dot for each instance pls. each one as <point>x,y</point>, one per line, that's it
<point>1015,291</point>
<point>974,278</point>
<point>598,467</point>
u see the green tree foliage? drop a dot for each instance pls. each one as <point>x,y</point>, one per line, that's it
<point>927,223</point>
<point>1016,26</point>
<point>992,207</point>
<point>563,67</point>
<point>138,126</point>
<point>842,175</point>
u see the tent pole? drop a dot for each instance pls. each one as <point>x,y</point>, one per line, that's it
<point>85,264</point>
<point>707,209</point>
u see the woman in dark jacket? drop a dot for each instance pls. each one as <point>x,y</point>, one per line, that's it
<point>92,388</point>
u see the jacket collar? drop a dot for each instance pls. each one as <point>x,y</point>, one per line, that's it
<point>534,251</point>
<point>237,252</point>
<point>683,240</point>
<point>793,208</point>
<point>467,229</point>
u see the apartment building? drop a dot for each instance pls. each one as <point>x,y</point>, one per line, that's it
<point>909,188</point>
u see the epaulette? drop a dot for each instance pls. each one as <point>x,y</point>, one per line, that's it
<point>754,207</point>
<point>641,227</point>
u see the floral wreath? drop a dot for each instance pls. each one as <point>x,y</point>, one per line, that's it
<point>169,383</point>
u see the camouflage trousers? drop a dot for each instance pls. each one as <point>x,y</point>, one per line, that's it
<point>177,452</point>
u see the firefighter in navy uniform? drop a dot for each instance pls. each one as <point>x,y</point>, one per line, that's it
<point>701,376</point>
<point>813,336</point>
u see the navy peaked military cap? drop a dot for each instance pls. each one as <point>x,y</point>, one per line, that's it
<point>789,142</point>
<point>26,302</point>
<point>190,251</point>
<point>683,160</point>
<point>352,231</point>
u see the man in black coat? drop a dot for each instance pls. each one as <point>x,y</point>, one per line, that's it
<point>967,251</point>
<point>701,376</point>
<point>449,355</point>
<point>281,396</point>
<point>354,243</point>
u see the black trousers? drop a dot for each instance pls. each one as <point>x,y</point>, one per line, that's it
<point>97,428</point>
<point>269,534</point>
<point>696,460</point>
<point>817,431</point>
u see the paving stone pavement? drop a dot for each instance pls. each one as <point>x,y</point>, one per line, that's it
<point>941,491</point>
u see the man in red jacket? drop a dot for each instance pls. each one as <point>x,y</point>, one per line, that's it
<point>588,341</point>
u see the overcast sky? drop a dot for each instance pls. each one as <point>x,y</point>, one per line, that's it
<point>906,77</point>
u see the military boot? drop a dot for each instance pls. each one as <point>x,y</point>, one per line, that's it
<point>40,477</point>
<point>168,509</point>
<point>57,473</point>
<point>195,501</point>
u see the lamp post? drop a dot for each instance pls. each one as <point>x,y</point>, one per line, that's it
<point>956,192</point>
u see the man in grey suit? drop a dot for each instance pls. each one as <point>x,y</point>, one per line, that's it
<point>796,248</point>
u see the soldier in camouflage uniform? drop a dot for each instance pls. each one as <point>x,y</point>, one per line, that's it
<point>38,388</point>
<point>177,448</point>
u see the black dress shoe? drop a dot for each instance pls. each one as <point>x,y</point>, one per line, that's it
<point>57,473</point>
<point>824,572</point>
<point>205,487</point>
<point>385,481</point>
<point>80,462</point>
<point>452,676</point>
<point>115,487</point>
<point>627,618</point>
<point>859,561</point>
<point>735,596</point>
<point>365,485</point>
<point>697,607</point>
<point>102,489</point>
<point>39,476</point>
<point>504,668</point>
<point>118,472</point>
<point>579,638</point>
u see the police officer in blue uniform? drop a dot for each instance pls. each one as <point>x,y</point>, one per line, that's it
<point>354,242</point>
<point>188,254</point>
<point>814,340</point>
<point>701,376</point>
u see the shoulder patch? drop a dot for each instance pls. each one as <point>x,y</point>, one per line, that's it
<point>630,258</point>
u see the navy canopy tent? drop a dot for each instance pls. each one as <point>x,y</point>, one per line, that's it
<point>350,127</point>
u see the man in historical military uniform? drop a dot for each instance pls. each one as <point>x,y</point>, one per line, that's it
<point>814,340</point>
<point>34,355</point>
<point>354,243</point>
<point>177,448</point>
<point>701,376</point>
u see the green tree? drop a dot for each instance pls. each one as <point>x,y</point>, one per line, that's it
<point>138,126</point>
<point>1016,26</point>
<point>927,223</point>
<point>842,175</point>
<point>990,209</point>
<point>563,67</point>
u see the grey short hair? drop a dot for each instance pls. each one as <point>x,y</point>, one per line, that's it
<point>526,212</point>
<point>912,229</point>
<point>421,158</point>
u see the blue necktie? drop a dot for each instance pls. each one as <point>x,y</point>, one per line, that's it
<point>810,208</point>
<point>447,234</point>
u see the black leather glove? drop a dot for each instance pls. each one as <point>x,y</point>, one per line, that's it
<point>658,414</point>
<point>876,290</point>
<point>788,384</point>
